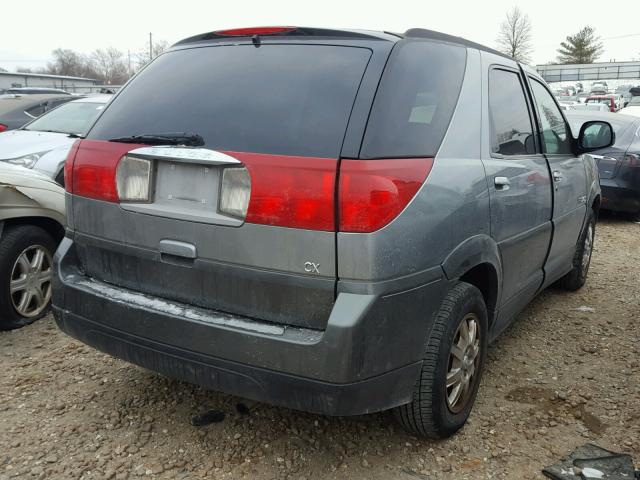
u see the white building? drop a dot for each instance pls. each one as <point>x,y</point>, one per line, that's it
<point>70,84</point>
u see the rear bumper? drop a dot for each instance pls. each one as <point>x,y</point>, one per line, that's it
<point>618,198</point>
<point>366,360</point>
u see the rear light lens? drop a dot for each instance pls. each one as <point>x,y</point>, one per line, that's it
<point>68,166</point>
<point>3,128</point>
<point>133,179</point>
<point>290,191</point>
<point>235,192</point>
<point>94,169</point>
<point>249,32</point>
<point>374,192</point>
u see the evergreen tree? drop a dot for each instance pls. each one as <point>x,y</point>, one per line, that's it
<point>583,47</point>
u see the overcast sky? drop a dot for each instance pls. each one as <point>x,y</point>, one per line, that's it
<point>27,40</point>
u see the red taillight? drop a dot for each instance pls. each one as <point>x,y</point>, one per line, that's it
<point>3,128</point>
<point>68,166</point>
<point>374,192</point>
<point>94,169</point>
<point>288,191</point>
<point>249,32</point>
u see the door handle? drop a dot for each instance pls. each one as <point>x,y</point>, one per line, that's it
<point>501,183</point>
<point>557,176</point>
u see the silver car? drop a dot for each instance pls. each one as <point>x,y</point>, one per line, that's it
<point>32,220</point>
<point>44,143</point>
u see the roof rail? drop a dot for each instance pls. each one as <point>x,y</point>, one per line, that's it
<point>443,37</point>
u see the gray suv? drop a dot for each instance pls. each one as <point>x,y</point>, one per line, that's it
<point>331,221</point>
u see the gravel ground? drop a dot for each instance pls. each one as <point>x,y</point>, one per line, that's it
<point>566,373</point>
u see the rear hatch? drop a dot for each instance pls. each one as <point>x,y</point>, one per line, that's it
<point>242,221</point>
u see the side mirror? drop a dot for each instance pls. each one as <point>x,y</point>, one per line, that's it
<point>595,135</point>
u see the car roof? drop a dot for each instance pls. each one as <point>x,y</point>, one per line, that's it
<point>310,32</point>
<point>8,104</point>
<point>93,99</point>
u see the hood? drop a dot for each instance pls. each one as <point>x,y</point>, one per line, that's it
<point>18,143</point>
<point>23,177</point>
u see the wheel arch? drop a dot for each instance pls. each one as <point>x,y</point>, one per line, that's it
<point>49,225</point>
<point>477,261</point>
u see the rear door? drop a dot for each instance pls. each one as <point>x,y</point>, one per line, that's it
<point>569,180</point>
<point>278,110</point>
<point>519,188</point>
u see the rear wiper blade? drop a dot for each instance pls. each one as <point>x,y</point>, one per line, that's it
<point>170,138</point>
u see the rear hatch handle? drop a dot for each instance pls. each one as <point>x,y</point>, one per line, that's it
<point>177,249</point>
<point>184,155</point>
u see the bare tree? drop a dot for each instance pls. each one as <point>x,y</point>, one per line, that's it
<point>514,38</point>
<point>141,57</point>
<point>68,62</point>
<point>110,65</point>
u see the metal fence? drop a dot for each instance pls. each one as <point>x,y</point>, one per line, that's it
<point>594,71</point>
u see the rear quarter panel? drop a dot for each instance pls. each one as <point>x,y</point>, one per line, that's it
<point>451,206</point>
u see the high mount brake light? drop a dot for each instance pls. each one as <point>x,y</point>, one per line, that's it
<point>249,32</point>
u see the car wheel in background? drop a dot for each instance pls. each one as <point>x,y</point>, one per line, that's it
<point>577,277</point>
<point>452,366</point>
<point>26,254</point>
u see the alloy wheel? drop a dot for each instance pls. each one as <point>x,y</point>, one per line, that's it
<point>30,282</point>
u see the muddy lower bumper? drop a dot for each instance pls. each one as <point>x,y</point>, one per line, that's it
<point>366,360</point>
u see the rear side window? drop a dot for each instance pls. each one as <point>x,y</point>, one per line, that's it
<point>510,122</point>
<point>415,101</point>
<point>277,99</point>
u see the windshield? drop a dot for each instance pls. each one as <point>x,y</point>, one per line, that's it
<point>71,117</point>
<point>276,99</point>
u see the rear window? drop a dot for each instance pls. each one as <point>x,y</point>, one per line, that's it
<point>277,99</point>
<point>415,101</point>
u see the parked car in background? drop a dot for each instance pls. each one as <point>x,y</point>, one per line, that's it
<point>568,105</point>
<point>32,220</point>
<point>34,91</point>
<point>632,108</point>
<point>607,100</point>
<point>599,88</point>
<point>582,96</point>
<point>44,143</point>
<point>625,92</point>
<point>409,176</point>
<point>592,107</point>
<point>619,165</point>
<point>18,110</point>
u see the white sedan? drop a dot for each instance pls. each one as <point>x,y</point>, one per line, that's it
<point>44,143</point>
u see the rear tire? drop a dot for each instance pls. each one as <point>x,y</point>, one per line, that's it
<point>438,410</point>
<point>26,253</point>
<point>577,277</point>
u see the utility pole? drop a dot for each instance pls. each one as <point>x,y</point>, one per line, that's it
<point>150,46</point>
